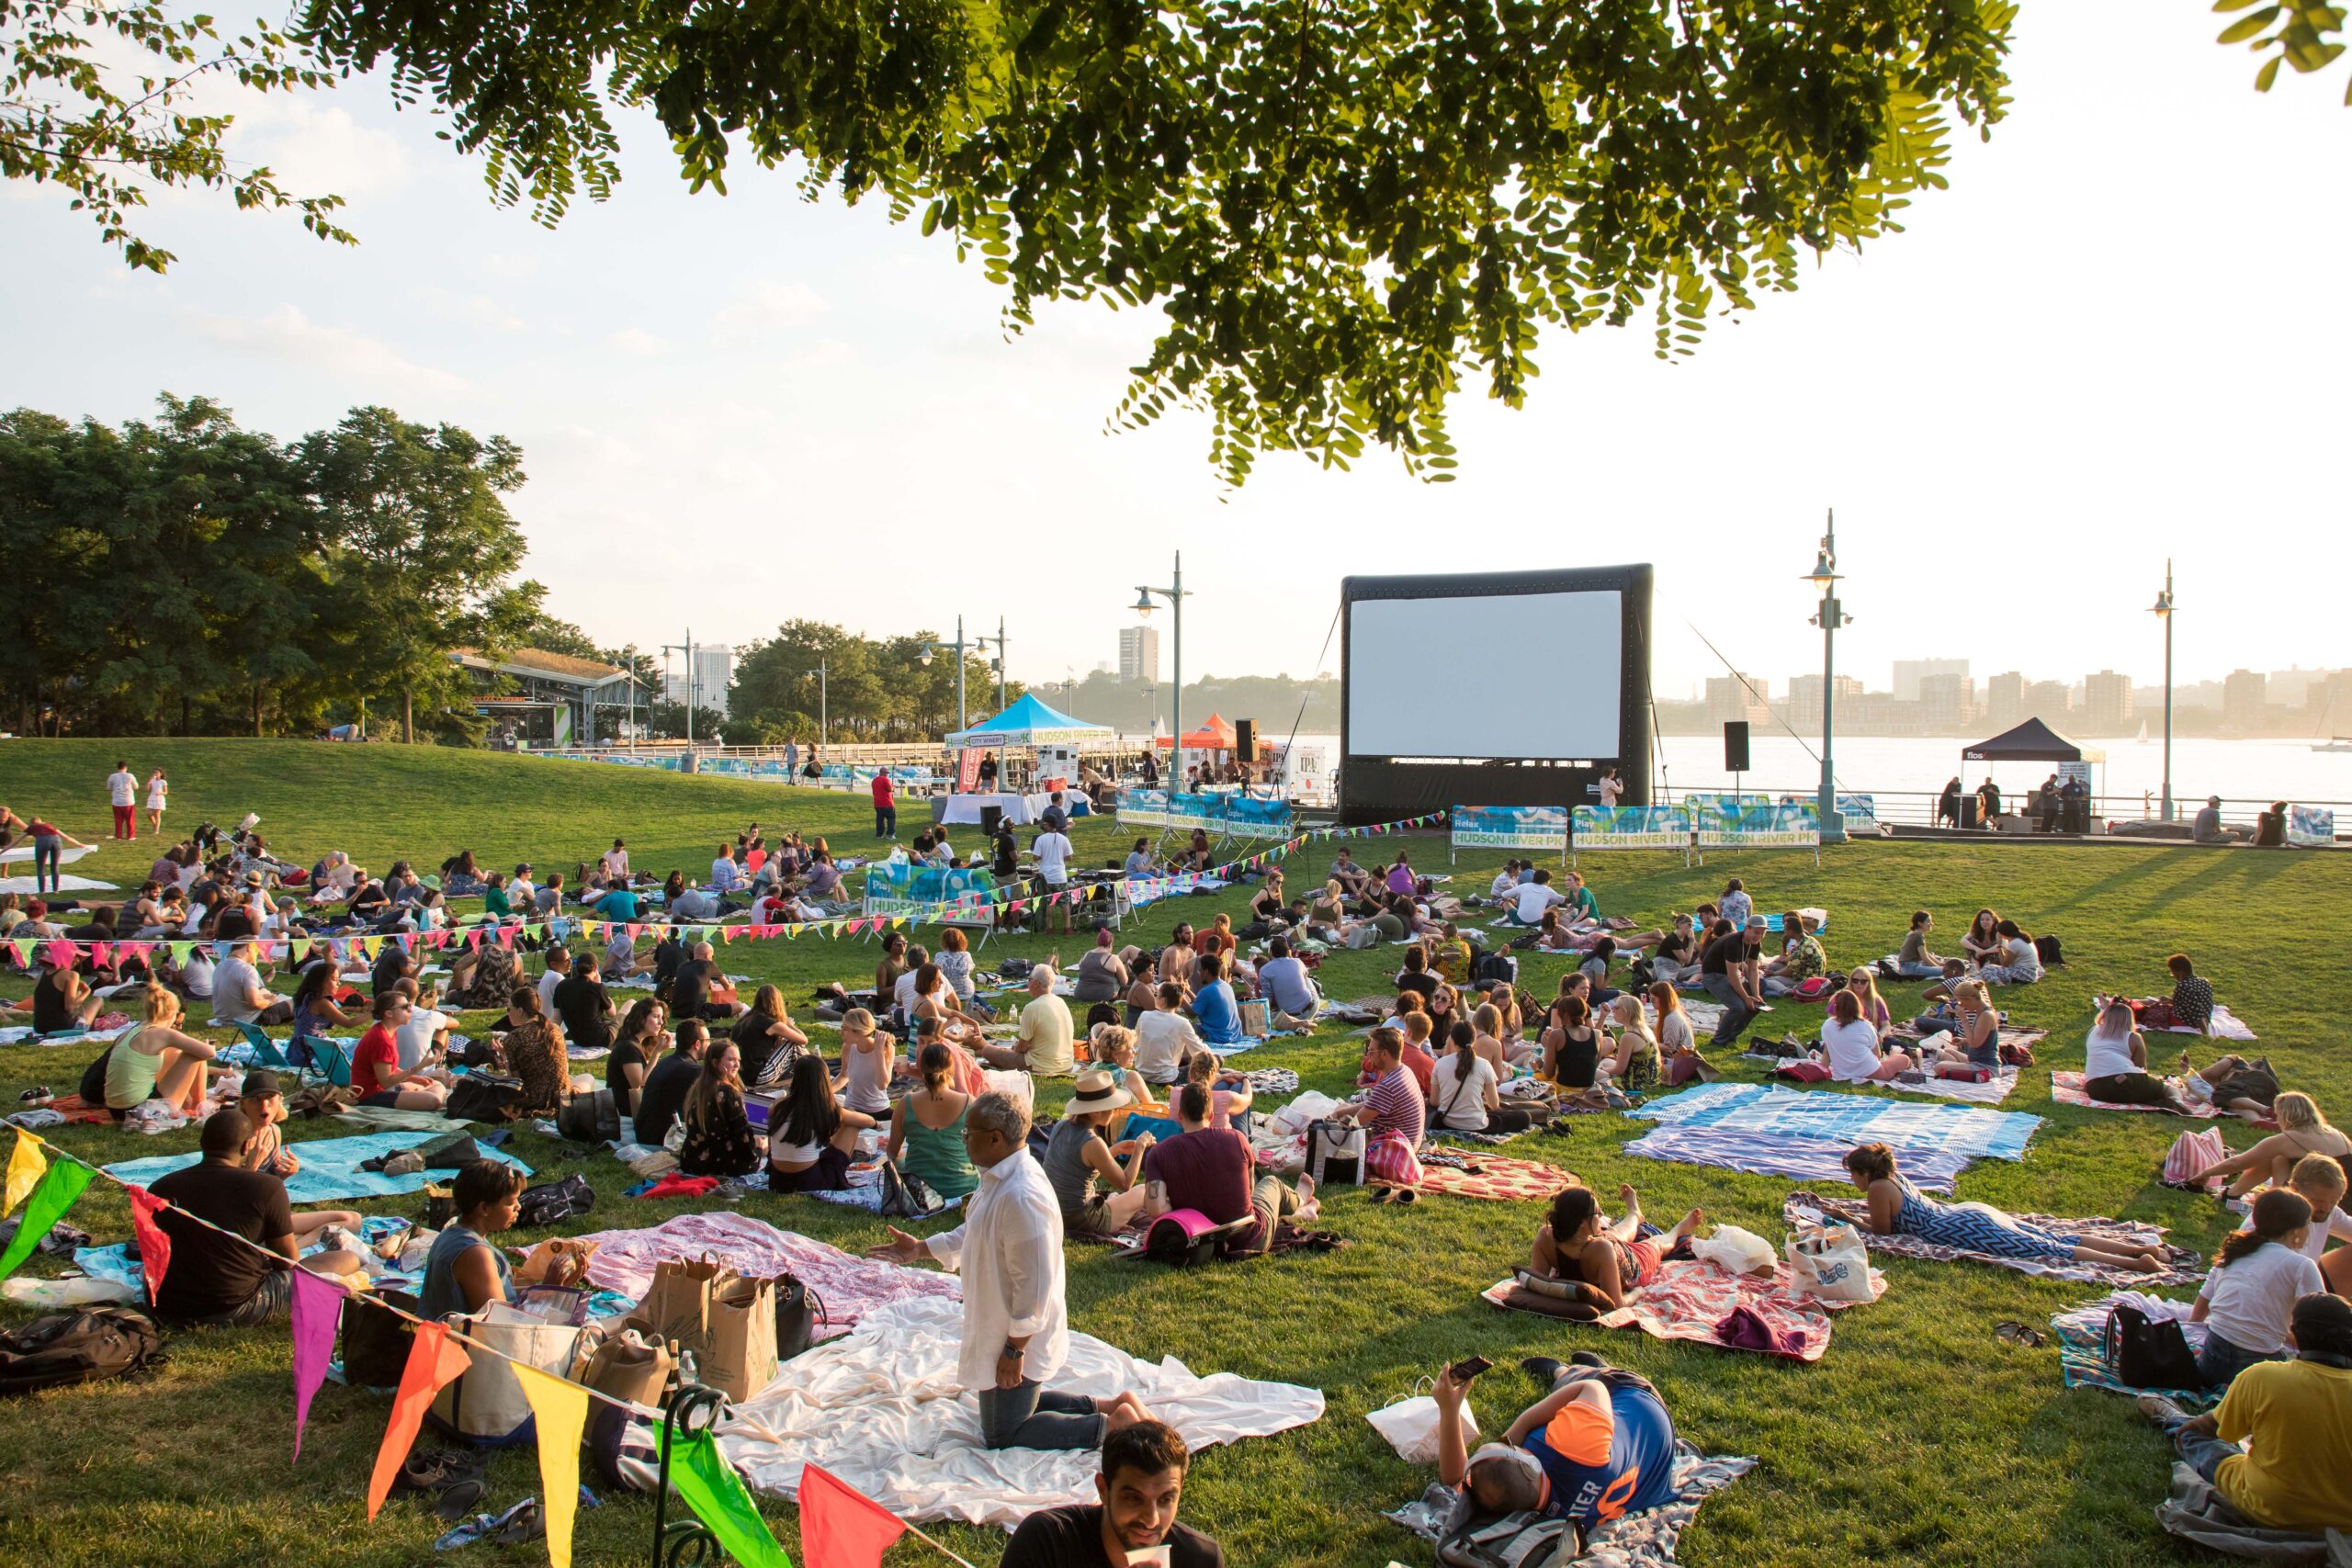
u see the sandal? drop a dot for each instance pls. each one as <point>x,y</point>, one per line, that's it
<point>525,1522</point>
<point>460,1498</point>
<point>2018,1334</point>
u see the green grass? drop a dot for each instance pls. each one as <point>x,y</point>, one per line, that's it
<point>1918,1438</point>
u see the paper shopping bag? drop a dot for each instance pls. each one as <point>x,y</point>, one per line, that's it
<point>677,1306</point>
<point>741,1359</point>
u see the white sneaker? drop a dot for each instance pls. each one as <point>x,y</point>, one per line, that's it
<point>2157,1407</point>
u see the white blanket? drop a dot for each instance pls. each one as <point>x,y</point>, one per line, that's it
<point>24,884</point>
<point>25,852</point>
<point>880,1408</point>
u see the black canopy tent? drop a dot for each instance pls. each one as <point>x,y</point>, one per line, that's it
<point>2032,741</point>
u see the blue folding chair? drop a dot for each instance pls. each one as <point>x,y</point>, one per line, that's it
<point>266,1051</point>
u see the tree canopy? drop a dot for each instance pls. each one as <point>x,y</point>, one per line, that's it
<point>1343,208</point>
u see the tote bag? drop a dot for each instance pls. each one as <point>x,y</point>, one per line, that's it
<point>486,1405</point>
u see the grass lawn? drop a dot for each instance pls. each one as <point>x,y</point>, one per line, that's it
<point>1918,1438</point>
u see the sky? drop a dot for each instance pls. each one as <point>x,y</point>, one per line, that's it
<point>2088,354</point>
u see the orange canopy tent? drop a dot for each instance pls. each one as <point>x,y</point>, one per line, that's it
<point>1215,736</point>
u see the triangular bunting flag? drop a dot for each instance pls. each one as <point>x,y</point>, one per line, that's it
<point>60,1186</point>
<point>712,1489</point>
<point>434,1361</point>
<point>562,1410</point>
<point>154,1247</point>
<point>318,1308</point>
<point>842,1527</point>
<point>25,1163</point>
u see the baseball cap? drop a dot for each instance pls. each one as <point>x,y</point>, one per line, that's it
<point>259,1084</point>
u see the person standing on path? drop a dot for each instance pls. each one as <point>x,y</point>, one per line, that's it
<point>122,790</point>
<point>159,789</point>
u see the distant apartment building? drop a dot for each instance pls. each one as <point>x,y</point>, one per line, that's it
<point>2005,699</point>
<point>1803,706</point>
<point>1947,702</point>
<point>2245,696</point>
<point>1734,697</point>
<point>1909,673</point>
<point>2052,702</point>
<point>2107,701</point>
<point>704,680</point>
<point>1139,654</point>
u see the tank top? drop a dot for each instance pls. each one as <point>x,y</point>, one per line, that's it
<point>442,1293</point>
<point>937,1155</point>
<point>866,1079</point>
<point>1066,1171</point>
<point>130,1073</point>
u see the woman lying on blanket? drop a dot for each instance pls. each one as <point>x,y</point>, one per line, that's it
<point>2302,1130</point>
<point>1553,935</point>
<point>1898,1207</point>
<point>1582,1248</point>
<point>2234,1086</point>
<point>2115,1063</point>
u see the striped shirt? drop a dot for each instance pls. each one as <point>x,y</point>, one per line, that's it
<point>1396,1103</point>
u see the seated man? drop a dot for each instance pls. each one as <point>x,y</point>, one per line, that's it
<point>1282,980</point>
<point>1526,903</point>
<point>1165,1039</point>
<point>1394,1103</point>
<point>1352,879</point>
<point>2207,827</point>
<point>1213,1170</point>
<point>1141,1482</point>
<point>2280,1449</point>
<point>1598,1446</point>
<point>1214,1011</point>
<point>1046,1043</point>
<point>239,997</point>
<point>214,1279</point>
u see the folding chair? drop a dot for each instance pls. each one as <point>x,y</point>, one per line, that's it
<point>266,1051</point>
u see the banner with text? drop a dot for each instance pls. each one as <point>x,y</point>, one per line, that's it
<point>1632,828</point>
<point>1860,812</point>
<point>1512,828</point>
<point>2311,825</point>
<point>1796,826</point>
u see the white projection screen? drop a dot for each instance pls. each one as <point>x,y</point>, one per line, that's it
<point>1520,687</point>
<point>1452,677</point>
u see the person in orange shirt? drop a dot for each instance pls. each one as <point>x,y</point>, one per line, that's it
<point>1598,1445</point>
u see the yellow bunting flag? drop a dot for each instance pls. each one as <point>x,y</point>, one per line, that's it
<point>26,1165</point>
<point>562,1410</point>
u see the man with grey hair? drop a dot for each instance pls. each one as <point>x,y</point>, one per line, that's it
<point>1598,1445</point>
<point>691,986</point>
<point>1016,1328</point>
<point>1045,1044</point>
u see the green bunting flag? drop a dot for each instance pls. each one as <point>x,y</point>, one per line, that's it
<point>716,1493</point>
<point>56,1193</point>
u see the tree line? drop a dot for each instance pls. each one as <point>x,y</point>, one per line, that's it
<point>182,575</point>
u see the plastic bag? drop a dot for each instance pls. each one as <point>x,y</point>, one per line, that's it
<point>1312,1105</point>
<point>1830,1263</point>
<point>1410,1426</point>
<point>1734,1250</point>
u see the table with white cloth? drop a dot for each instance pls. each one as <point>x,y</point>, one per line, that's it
<point>1018,809</point>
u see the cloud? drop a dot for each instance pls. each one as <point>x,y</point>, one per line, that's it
<point>474,310</point>
<point>355,358</point>
<point>768,305</point>
<point>499,265</point>
<point>637,340</point>
<point>311,147</point>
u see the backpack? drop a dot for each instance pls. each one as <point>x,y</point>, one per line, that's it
<point>1187,1236</point>
<point>2052,955</point>
<point>590,1118</point>
<point>554,1201</point>
<point>93,1087</point>
<point>1485,968</point>
<point>1523,1540</point>
<point>2149,1354</point>
<point>376,1341</point>
<point>477,1098</point>
<point>90,1345</point>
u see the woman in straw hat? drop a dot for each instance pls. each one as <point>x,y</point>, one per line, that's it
<point>1098,1195</point>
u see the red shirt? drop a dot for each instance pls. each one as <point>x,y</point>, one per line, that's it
<point>377,1051</point>
<point>882,790</point>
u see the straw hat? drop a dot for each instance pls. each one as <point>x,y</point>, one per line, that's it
<point>1098,1091</point>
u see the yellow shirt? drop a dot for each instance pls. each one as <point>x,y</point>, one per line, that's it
<point>1047,1030</point>
<point>1452,961</point>
<point>2297,1472</point>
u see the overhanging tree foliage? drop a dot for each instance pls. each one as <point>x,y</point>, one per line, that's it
<point>1341,208</point>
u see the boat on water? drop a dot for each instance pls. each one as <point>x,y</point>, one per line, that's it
<point>2143,732</point>
<point>2338,743</point>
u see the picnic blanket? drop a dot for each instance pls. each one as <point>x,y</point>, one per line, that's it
<point>883,1409</point>
<point>2196,1511</point>
<point>2224,1026</point>
<point>1645,1539</point>
<point>2066,1089</point>
<point>2082,1348</point>
<point>1992,1091</point>
<point>1776,1154</point>
<point>1691,1297</point>
<point>391,1118</point>
<point>2024,1038</point>
<point>848,1288</point>
<point>2187,1268</point>
<point>329,1166</point>
<point>1466,1174</point>
<point>1845,1119</point>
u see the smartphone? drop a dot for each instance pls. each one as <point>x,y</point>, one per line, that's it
<point>1466,1369</point>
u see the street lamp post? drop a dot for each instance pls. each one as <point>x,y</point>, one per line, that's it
<point>1174,594</point>
<point>959,645</point>
<point>2163,608</point>
<point>983,641</point>
<point>1829,617</point>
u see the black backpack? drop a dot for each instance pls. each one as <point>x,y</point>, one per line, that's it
<point>590,1118</point>
<point>2053,956</point>
<point>555,1200</point>
<point>1485,968</point>
<point>376,1340</point>
<point>2146,1353</point>
<point>88,1346</point>
<point>479,1097</point>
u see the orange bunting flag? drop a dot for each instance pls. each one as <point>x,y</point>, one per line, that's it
<point>434,1360</point>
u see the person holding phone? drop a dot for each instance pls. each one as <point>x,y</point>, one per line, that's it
<point>1598,1446</point>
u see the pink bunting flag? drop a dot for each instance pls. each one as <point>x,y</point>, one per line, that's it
<point>99,951</point>
<point>635,931</point>
<point>154,1247</point>
<point>507,937</point>
<point>318,1307</point>
<point>474,939</point>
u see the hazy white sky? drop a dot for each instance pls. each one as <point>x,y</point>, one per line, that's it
<point>2089,353</point>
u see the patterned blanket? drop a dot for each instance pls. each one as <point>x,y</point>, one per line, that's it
<point>1645,1539</point>
<point>1689,1298</point>
<point>1464,1173</point>
<point>1992,1091</point>
<point>847,1288</point>
<point>2187,1268</point>
<point>331,1167</point>
<point>2066,1089</point>
<point>2082,1354</point>
<point>1845,1119</point>
<point>1777,1154</point>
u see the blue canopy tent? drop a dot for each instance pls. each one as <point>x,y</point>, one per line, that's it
<point>1027,723</point>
